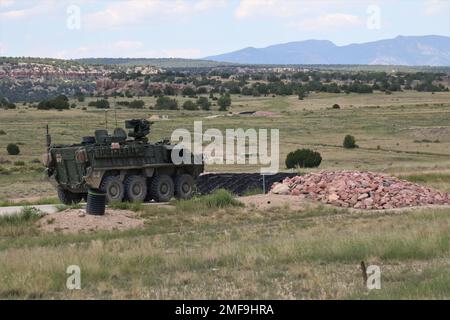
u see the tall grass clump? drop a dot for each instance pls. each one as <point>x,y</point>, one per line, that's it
<point>220,198</point>
<point>20,224</point>
<point>26,215</point>
<point>133,206</point>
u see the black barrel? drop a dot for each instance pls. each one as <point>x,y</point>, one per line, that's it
<point>96,202</point>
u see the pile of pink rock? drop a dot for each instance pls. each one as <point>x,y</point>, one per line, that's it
<point>360,190</point>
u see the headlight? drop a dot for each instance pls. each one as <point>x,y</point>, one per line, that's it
<point>46,159</point>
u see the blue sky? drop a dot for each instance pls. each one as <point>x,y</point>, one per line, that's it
<point>198,28</point>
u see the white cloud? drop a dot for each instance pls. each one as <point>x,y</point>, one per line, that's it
<point>328,21</point>
<point>286,8</point>
<point>13,14</point>
<point>281,8</point>
<point>435,7</point>
<point>124,48</point>
<point>29,9</point>
<point>137,11</point>
<point>6,3</point>
<point>204,5</point>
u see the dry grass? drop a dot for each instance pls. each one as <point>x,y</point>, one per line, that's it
<point>198,250</point>
<point>237,253</point>
<point>385,128</point>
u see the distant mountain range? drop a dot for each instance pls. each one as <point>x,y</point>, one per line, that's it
<point>402,50</point>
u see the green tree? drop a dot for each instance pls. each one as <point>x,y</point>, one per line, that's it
<point>188,91</point>
<point>224,102</point>
<point>13,149</point>
<point>137,104</point>
<point>100,104</point>
<point>166,103</point>
<point>189,105</point>
<point>349,142</point>
<point>204,103</point>
<point>303,158</point>
<point>169,91</point>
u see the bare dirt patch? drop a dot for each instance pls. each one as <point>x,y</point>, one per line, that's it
<point>76,221</point>
<point>269,201</point>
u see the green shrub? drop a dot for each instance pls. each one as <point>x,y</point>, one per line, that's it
<point>5,104</point>
<point>224,102</point>
<point>19,163</point>
<point>28,214</point>
<point>349,142</point>
<point>220,198</point>
<point>303,158</point>
<point>336,106</point>
<point>189,105</point>
<point>2,132</point>
<point>59,103</point>
<point>188,91</point>
<point>165,103</point>
<point>13,149</point>
<point>137,104</point>
<point>204,103</point>
<point>100,104</point>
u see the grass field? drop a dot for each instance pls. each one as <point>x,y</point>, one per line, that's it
<point>400,133</point>
<point>199,250</point>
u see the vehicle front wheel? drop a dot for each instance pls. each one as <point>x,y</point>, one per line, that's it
<point>67,197</point>
<point>162,188</point>
<point>113,188</point>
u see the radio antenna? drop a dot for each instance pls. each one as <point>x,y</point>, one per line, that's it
<point>115,116</point>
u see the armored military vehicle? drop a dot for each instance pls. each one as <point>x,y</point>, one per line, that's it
<point>124,166</point>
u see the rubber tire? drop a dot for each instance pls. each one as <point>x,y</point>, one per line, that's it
<point>107,183</point>
<point>130,183</point>
<point>155,188</point>
<point>67,197</point>
<point>183,181</point>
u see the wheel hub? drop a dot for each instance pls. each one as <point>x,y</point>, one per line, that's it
<point>186,187</point>
<point>114,190</point>
<point>137,189</point>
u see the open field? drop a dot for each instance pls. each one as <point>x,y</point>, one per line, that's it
<point>196,249</point>
<point>401,133</point>
<point>192,250</point>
